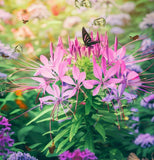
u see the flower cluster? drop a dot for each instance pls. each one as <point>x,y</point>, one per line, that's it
<point>7,52</point>
<point>38,11</point>
<point>20,155</point>
<point>5,15</point>
<point>111,69</point>
<point>147,102</point>
<point>78,155</point>
<point>148,21</point>
<point>145,140</point>
<point>5,139</point>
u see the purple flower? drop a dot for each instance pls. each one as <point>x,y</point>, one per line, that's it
<point>147,46</point>
<point>3,75</point>
<point>152,119</point>
<point>5,15</point>
<point>134,109</point>
<point>148,21</point>
<point>145,140</point>
<point>5,140</point>
<point>21,156</point>
<point>78,155</point>
<point>117,30</point>
<point>7,52</point>
<point>147,102</point>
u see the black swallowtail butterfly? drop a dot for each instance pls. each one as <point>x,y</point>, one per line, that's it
<point>86,38</point>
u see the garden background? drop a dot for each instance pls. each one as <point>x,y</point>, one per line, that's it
<point>111,128</point>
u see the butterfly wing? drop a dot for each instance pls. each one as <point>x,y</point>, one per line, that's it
<point>87,39</point>
<point>85,36</point>
<point>132,156</point>
<point>86,3</point>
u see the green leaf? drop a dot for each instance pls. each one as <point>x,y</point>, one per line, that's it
<point>87,107</point>
<point>18,143</point>
<point>48,145</point>
<point>67,147</point>
<point>62,144</point>
<point>64,132</point>
<point>15,111</point>
<point>40,115</point>
<point>24,132</point>
<point>34,145</point>
<point>89,141</point>
<point>48,132</point>
<point>74,128</point>
<point>99,128</point>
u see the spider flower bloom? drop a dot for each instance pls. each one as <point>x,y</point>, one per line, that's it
<point>147,102</point>
<point>5,139</point>
<point>20,155</point>
<point>78,155</point>
<point>145,140</point>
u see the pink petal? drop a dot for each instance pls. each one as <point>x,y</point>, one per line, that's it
<point>76,72</point>
<point>111,72</point>
<point>72,92</point>
<point>38,79</point>
<point>50,90</point>
<point>90,83</point>
<point>123,67</point>
<point>68,80</point>
<point>97,70</point>
<point>62,69</point>
<point>96,90</point>
<point>116,44</point>
<point>56,90</point>
<point>114,80</point>
<point>44,60</point>
<point>103,65</point>
<point>51,52</point>
<point>46,73</point>
<point>132,75</point>
<point>121,52</point>
<point>82,77</point>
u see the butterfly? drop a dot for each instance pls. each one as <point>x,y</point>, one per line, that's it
<point>132,156</point>
<point>99,22</point>
<point>86,3</point>
<point>134,37</point>
<point>86,38</point>
<point>52,148</point>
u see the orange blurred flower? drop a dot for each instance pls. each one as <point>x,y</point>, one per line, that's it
<point>23,32</point>
<point>1,28</point>
<point>21,104</point>
<point>30,48</point>
<point>56,9</point>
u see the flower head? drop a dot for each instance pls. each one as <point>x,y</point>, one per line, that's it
<point>148,21</point>
<point>5,139</point>
<point>147,102</point>
<point>145,140</point>
<point>5,15</point>
<point>20,155</point>
<point>38,11</point>
<point>7,52</point>
<point>78,155</point>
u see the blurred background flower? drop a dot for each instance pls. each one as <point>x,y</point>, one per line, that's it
<point>148,21</point>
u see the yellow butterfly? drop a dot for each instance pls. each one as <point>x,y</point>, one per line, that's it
<point>86,3</point>
<point>99,22</point>
<point>133,156</point>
